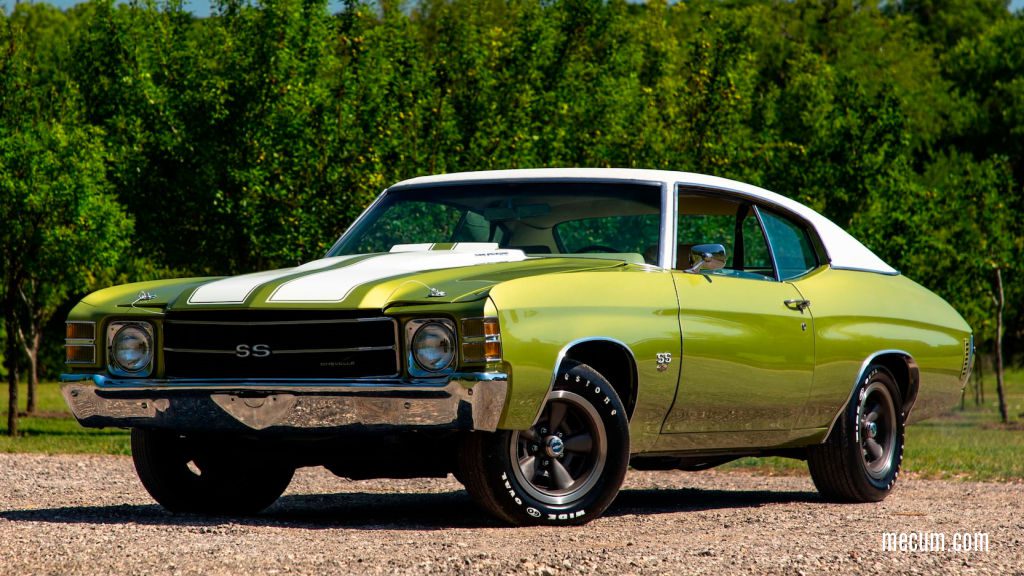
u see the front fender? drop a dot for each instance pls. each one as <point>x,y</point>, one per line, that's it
<point>634,306</point>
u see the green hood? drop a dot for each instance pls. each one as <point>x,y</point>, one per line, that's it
<point>372,281</point>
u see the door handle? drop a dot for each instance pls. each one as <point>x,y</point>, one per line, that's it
<point>798,305</point>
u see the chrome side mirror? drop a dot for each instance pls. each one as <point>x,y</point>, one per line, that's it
<point>706,257</point>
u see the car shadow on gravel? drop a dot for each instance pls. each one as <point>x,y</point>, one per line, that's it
<point>416,511</point>
<point>671,500</point>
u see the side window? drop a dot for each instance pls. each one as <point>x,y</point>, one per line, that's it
<point>731,223</point>
<point>755,251</point>
<point>791,244</point>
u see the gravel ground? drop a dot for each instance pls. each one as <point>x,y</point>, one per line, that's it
<point>90,515</point>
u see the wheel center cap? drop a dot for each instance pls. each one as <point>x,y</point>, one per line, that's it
<point>872,429</point>
<point>554,447</point>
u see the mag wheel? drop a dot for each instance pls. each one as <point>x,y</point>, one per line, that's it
<point>185,477</point>
<point>565,469</point>
<point>860,461</point>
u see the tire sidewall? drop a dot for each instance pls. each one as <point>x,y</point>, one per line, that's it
<point>877,488</point>
<point>525,509</point>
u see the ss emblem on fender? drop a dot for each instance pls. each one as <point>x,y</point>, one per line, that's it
<point>664,359</point>
<point>256,350</point>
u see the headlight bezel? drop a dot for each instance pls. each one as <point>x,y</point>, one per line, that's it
<point>413,328</point>
<point>114,366</point>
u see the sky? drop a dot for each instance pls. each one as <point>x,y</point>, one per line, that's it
<point>202,7</point>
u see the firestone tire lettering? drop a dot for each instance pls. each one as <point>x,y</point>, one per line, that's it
<point>486,463</point>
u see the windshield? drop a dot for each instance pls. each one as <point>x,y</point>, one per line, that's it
<point>619,221</point>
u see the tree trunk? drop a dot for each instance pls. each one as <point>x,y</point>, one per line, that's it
<point>1000,304</point>
<point>979,380</point>
<point>11,354</point>
<point>32,350</point>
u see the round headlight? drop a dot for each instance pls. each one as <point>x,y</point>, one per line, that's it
<point>433,346</point>
<point>132,348</point>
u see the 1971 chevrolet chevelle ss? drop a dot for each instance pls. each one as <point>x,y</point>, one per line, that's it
<point>533,332</point>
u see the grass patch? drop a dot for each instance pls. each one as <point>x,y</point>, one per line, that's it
<point>55,430</point>
<point>968,444</point>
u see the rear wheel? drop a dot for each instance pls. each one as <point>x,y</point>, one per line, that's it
<point>183,476</point>
<point>566,469</point>
<point>860,461</point>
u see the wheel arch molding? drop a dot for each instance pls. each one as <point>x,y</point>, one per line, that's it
<point>905,371</point>
<point>610,357</point>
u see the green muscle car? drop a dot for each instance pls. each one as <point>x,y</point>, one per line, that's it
<point>534,333</point>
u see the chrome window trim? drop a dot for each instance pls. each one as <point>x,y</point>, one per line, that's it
<point>669,225</point>
<point>662,185</point>
<point>729,195</point>
<point>851,269</point>
<point>762,203</point>
<point>355,223</point>
<point>767,241</point>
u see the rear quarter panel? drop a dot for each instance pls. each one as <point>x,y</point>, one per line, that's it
<point>857,314</point>
<point>541,315</point>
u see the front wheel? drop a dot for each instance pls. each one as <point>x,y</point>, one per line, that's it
<point>185,476</point>
<point>860,461</point>
<point>566,469</point>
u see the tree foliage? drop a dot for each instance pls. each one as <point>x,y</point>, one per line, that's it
<point>252,138</point>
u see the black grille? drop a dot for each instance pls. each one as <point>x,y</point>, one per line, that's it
<point>258,344</point>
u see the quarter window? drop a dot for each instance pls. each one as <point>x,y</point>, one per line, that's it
<point>791,245</point>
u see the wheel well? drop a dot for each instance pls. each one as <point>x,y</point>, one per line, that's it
<point>615,362</point>
<point>904,369</point>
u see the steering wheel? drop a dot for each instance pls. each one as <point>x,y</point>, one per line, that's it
<point>596,248</point>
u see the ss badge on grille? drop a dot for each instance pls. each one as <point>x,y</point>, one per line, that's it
<point>256,350</point>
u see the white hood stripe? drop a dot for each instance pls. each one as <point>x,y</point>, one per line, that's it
<point>236,290</point>
<point>335,285</point>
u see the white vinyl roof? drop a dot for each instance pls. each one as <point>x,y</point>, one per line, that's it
<point>844,251</point>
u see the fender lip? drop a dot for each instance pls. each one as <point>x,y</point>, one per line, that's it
<point>908,402</point>
<point>561,357</point>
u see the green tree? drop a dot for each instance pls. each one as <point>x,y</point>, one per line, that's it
<point>60,222</point>
<point>946,22</point>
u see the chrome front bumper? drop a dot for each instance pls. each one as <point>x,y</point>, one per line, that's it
<point>469,401</point>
